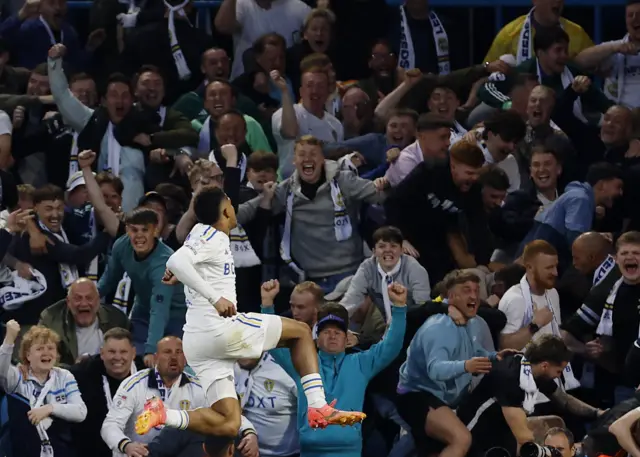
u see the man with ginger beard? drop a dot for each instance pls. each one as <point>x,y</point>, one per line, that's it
<point>81,321</point>
<point>436,205</point>
<point>606,325</point>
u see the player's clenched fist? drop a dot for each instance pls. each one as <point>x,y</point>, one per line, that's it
<point>398,294</point>
<point>268,292</point>
<point>225,308</point>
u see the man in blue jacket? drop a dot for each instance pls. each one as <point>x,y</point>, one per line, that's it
<point>572,213</point>
<point>345,376</point>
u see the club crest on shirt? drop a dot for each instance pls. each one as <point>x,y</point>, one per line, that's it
<point>269,385</point>
<point>120,401</point>
<point>185,404</point>
<point>443,44</point>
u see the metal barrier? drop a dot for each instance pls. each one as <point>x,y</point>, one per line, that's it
<point>205,6</point>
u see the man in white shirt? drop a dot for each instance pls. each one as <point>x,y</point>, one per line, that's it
<point>306,118</point>
<point>269,400</point>
<point>216,336</point>
<point>248,20</point>
<point>622,60</point>
<point>167,380</point>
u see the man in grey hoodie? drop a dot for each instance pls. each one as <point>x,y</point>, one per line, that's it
<point>387,265</point>
<point>572,213</point>
<point>321,205</point>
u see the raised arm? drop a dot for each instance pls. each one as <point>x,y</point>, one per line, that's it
<point>107,216</point>
<point>9,374</point>
<point>621,429</point>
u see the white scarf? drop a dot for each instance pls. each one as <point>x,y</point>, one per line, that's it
<point>107,390</point>
<point>407,51</point>
<point>570,382</point>
<point>15,290</point>
<point>244,380</point>
<point>525,43</point>
<point>68,273</point>
<point>92,269</point>
<point>52,37</point>
<point>46,450</point>
<point>341,224</point>
<point>614,85</point>
<point>528,385</point>
<point>387,279</point>
<point>73,157</point>
<point>567,79</point>
<point>345,163</point>
<point>605,326</point>
<point>457,132</point>
<point>178,58</point>
<point>162,112</point>
<point>603,270</point>
<point>243,254</point>
<point>114,150</point>
<point>121,297</point>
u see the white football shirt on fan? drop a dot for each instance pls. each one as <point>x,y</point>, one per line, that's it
<point>210,254</point>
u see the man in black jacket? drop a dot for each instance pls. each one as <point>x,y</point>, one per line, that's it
<point>98,379</point>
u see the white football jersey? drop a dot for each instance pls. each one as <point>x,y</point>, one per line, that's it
<point>214,263</point>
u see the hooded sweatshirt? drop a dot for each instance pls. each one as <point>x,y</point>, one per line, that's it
<point>345,378</point>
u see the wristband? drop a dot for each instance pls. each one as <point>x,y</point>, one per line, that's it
<point>248,431</point>
<point>123,444</point>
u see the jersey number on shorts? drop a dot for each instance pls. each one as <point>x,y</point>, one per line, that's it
<point>229,269</point>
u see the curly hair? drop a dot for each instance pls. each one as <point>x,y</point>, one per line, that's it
<point>37,334</point>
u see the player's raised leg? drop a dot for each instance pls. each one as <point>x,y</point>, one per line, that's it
<point>304,355</point>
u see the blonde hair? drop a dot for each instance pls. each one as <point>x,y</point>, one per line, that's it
<point>311,287</point>
<point>308,139</point>
<point>38,334</point>
<point>199,168</point>
<point>319,13</point>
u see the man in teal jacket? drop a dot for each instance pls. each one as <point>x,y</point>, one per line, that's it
<point>345,376</point>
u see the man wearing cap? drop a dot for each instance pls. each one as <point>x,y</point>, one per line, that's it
<point>345,376</point>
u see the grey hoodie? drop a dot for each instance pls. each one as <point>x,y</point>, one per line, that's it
<point>368,282</point>
<point>314,247</point>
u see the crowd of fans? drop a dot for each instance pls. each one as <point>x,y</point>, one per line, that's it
<point>502,196</point>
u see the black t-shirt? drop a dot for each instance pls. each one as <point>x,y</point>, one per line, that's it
<point>482,410</point>
<point>599,439</point>
<point>626,318</point>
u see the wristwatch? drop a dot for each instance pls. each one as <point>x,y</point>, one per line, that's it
<point>533,328</point>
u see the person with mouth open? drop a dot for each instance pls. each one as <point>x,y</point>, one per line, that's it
<point>441,360</point>
<point>609,311</point>
<point>42,398</point>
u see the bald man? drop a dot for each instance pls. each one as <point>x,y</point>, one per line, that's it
<point>591,253</point>
<point>81,321</point>
<point>356,111</point>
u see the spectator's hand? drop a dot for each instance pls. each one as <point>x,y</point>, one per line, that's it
<point>411,77</point>
<point>607,236</point>
<point>18,116</point>
<point>498,66</point>
<point>157,155</point>
<point>136,450</point>
<point>24,270</point>
<point>397,294</point>
<point>602,412</point>
<point>381,184</point>
<point>95,39</point>
<point>169,278</point>
<point>455,315</point>
<point>407,248</point>
<point>478,365</point>
<point>38,243</point>
<point>142,139</point>
<point>49,115</point>
<point>37,415</point>
<point>594,349</point>
<point>11,332</point>
<point>493,300</point>
<point>17,220</point>
<point>268,291</point>
<point>352,339</point>
<point>505,352</point>
<point>627,48</point>
<point>393,154</point>
<point>57,51</point>
<point>542,316</point>
<point>357,159</point>
<point>230,154</point>
<point>248,446</point>
<point>183,164</point>
<point>30,9</point>
<point>601,211</point>
<point>225,308</point>
<point>86,159</point>
<point>149,360</point>
<point>279,81</point>
<point>472,136</point>
<point>581,84</point>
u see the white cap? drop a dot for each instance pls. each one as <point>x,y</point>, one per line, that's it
<point>509,59</point>
<point>75,180</point>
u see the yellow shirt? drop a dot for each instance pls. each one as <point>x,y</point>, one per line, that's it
<point>507,40</point>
